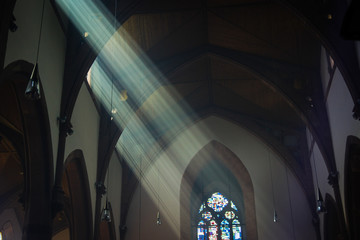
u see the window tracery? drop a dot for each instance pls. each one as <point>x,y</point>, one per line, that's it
<point>218,220</point>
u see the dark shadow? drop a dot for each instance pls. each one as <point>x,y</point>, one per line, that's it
<point>331,220</point>
<point>352,183</point>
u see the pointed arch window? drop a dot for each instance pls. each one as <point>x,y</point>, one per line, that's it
<point>218,219</point>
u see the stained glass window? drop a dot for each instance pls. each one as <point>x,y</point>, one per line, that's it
<point>233,206</point>
<point>201,230</point>
<point>207,216</point>
<point>218,220</point>
<point>217,202</point>
<point>236,228</point>
<point>229,214</point>
<point>202,207</point>
<point>225,230</point>
<point>213,230</point>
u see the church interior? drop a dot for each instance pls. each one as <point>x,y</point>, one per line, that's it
<point>192,119</point>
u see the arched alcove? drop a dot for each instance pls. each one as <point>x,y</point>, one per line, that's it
<point>77,194</point>
<point>231,164</point>
<point>26,125</point>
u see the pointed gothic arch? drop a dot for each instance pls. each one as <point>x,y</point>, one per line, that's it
<point>225,157</point>
<point>29,130</point>
<point>77,194</point>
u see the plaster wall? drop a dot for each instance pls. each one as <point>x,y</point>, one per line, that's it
<point>160,185</point>
<point>22,45</point>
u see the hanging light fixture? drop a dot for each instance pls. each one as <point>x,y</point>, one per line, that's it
<point>105,216</point>
<point>158,219</point>
<point>275,216</point>
<point>320,206</point>
<point>32,90</point>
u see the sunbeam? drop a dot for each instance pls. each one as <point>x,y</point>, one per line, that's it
<point>151,116</point>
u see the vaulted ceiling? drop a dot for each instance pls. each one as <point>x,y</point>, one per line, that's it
<point>254,62</point>
<point>252,59</point>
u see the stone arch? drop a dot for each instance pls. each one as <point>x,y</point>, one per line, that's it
<point>31,121</point>
<point>77,195</point>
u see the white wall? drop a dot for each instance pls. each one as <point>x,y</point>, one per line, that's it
<point>162,184</point>
<point>22,45</point>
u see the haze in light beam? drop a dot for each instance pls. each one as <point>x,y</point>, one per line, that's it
<point>150,113</point>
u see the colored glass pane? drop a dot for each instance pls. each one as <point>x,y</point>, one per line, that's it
<point>202,207</point>
<point>207,216</point>
<point>233,206</point>
<point>218,225</point>
<point>225,230</point>
<point>229,214</point>
<point>236,229</point>
<point>201,233</point>
<point>213,230</point>
<point>236,232</point>
<point>224,222</point>
<point>217,202</point>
